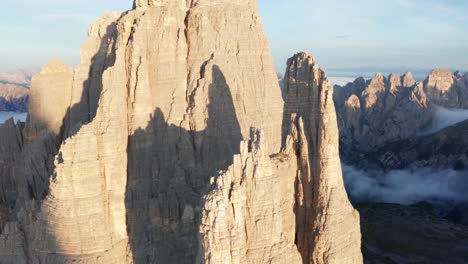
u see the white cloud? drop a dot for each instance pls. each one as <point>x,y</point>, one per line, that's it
<point>444,118</point>
<point>406,186</point>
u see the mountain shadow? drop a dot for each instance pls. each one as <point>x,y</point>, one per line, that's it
<point>40,151</point>
<point>85,110</point>
<point>30,156</point>
<point>169,171</point>
<point>302,103</point>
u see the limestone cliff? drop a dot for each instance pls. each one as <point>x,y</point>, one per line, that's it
<point>167,145</point>
<point>327,226</point>
<point>248,216</point>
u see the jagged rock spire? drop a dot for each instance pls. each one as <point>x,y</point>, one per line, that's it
<point>152,156</point>
<point>327,225</point>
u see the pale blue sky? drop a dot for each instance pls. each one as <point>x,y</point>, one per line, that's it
<point>366,35</point>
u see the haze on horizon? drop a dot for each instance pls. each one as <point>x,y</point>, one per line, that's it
<point>361,35</point>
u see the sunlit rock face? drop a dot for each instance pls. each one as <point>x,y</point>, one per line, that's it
<point>447,89</point>
<point>168,144</point>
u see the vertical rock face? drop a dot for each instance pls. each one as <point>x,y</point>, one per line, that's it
<point>248,216</point>
<point>11,145</point>
<point>327,226</point>
<point>210,76</point>
<point>51,85</point>
<point>150,154</point>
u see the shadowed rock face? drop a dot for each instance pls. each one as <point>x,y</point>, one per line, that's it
<point>447,148</point>
<point>169,170</point>
<point>166,147</point>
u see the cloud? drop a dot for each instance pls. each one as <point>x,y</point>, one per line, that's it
<point>343,37</point>
<point>406,186</point>
<point>444,118</point>
<point>341,81</point>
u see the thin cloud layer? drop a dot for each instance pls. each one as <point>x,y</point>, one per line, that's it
<point>406,186</point>
<point>444,118</point>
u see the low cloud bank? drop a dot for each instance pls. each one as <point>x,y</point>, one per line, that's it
<point>341,81</point>
<point>444,118</point>
<point>406,186</point>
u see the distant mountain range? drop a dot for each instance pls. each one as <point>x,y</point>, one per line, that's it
<point>14,90</point>
<point>372,113</point>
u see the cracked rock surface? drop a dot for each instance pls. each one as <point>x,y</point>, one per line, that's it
<point>169,144</point>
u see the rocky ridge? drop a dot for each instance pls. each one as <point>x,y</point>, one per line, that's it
<point>13,98</point>
<point>20,77</point>
<point>165,145</point>
<point>447,148</point>
<point>447,89</point>
<point>382,110</point>
<point>324,209</point>
<point>14,90</point>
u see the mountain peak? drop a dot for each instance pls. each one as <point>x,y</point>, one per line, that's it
<point>408,79</point>
<point>55,66</point>
<point>155,3</point>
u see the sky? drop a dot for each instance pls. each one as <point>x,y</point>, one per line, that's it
<point>345,36</point>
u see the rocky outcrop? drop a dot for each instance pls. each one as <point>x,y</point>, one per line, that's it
<point>247,215</point>
<point>380,110</point>
<point>168,144</point>
<point>327,224</point>
<point>447,89</point>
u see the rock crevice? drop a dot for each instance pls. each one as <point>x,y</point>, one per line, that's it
<point>165,147</point>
